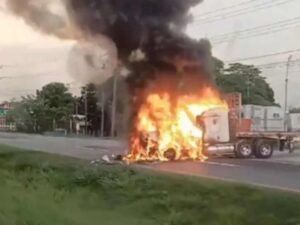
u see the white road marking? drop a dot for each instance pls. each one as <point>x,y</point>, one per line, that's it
<point>220,164</point>
<point>277,161</point>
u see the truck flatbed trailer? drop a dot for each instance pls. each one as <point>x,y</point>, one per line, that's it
<point>255,143</point>
<point>245,142</point>
<point>268,134</point>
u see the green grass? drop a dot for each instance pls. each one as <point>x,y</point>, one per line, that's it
<point>43,189</point>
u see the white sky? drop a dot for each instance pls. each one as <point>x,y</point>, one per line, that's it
<point>34,59</point>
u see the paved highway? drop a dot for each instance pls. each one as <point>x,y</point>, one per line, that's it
<point>282,171</point>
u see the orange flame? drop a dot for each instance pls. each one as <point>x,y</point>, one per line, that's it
<point>166,130</point>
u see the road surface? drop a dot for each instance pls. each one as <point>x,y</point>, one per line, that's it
<point>282,171</point>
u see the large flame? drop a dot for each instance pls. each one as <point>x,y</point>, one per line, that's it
<point>168,129</point>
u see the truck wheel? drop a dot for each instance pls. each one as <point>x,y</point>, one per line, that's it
<point>244,149</point>
<point>264,149</point>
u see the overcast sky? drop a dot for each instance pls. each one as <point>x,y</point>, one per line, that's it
<point>34,59</point>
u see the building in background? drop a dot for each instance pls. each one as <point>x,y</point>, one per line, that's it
<point>294,121</point>
<point>4,124</point>
<point>264,118</point>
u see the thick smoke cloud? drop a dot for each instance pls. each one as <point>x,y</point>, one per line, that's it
<point>148,36</point>
<point>49,16</point>
<point>147,24</point>
<point>153,27</point>
<point>93,60</point>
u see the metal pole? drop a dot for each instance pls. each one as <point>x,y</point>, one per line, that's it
<point>248,89</point>
<point>114,106</point>
<point>85,110</point>
<point>102,112</point>
<point>286,93</point>
<point>76,107</point>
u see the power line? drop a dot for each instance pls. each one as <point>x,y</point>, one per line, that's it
<point>260,28</point>
<point>35,89</point>
<point>257,35</point>
<point>280,73</point>
<point>226,8</point>
<point>277,65</point>
<point>256,8</point>
<point>20,77</point>
<point>243,11</point>
<point>271,65</point>
<point>262,56</point>
<point>232,11</point>
<point>30,75</point>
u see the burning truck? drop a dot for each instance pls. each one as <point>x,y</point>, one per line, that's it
<point>176,109</point>
<point>200,127</point>
<point>175,118</point>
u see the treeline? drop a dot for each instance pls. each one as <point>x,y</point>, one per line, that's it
<point>54,106</point>
<point>245,79</point>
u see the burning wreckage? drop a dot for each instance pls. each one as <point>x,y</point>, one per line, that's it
<point>177,111</point>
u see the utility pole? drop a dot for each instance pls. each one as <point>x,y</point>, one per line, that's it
<point>248,89</point>
<point>102,111</point>
<point>286,93</point>
<point>114,105</point>
<point>86,110</point>
<point>76,107</point>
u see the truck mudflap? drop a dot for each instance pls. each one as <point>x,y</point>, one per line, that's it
<point>286,143</point>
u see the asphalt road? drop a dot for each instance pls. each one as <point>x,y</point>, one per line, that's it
<point>282,171</point>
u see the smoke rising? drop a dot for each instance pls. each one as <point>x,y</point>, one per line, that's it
<point>93,60</point>
<point>148,39</point>
<point>132,24</point>
<point>153,27</point>
<point>49,16</point>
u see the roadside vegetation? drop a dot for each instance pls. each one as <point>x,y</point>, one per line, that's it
<point>43,189</point>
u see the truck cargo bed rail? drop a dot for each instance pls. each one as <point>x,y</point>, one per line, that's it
<point>268,134</point>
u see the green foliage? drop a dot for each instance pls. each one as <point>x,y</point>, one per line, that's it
<point>218,66</point>
<point>295,110</point>
<point>57,102</point>
<point>45,189</point>
<point>245,79</point>
<point>89,96</point>
<point>96,104</point>
<point>52,105</point>
<point>26,113</point>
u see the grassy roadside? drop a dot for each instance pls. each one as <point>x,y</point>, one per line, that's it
<point>42,189</point>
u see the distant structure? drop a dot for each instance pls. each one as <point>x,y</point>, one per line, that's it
<point>4,124</point>
<point>264,118</point>
<point>294,124</point>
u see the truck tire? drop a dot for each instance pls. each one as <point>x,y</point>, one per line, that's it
<point>244,149</point>
<point>263,149</point>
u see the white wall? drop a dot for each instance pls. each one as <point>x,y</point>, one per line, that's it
<point>295,121</point>
<point>264,118</point>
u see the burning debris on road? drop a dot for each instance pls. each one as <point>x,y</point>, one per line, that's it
<point>170,80</point>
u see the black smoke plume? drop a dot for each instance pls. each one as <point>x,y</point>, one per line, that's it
<point>44,16</point>
<point>152,27</point>
<point>149,35</point>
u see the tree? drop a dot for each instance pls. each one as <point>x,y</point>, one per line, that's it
<point>27,114</point>
<point>295,110</point>
<point>89,97</point>
<point>122,103</point>
<point>247,80</point>
<point>95,106</point>
<point>57,104</point>
<point>52,106</point>
<point>218,67</point>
